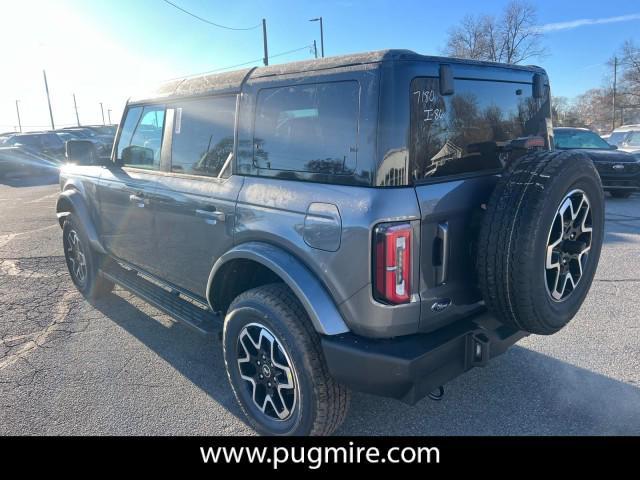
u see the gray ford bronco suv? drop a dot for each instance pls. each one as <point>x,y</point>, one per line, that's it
<point>378,222</point>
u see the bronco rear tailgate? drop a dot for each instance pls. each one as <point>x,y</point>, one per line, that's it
<point>450,221</point>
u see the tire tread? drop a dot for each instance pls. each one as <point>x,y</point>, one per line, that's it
<point>332,398</point>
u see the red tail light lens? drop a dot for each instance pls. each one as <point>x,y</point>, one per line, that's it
<point>392,263</point>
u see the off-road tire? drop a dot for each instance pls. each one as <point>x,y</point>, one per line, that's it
<point>323,403</point>
<point>514,238</point>
<point>620,193</point>
<point>93,285</point>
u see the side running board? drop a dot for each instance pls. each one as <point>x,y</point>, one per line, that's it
<point>193,313</point>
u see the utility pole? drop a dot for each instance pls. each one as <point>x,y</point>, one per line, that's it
<point>18,112</point>
<point>615,81</point>
<point>75,105</point>
<point>264,41</point>
<point>46,87</point>
<point>102,110</point>
<point>319,19</point>
<point>109,116</point>
<point>315,49</point>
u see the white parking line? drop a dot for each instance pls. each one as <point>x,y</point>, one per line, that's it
<point>5,239</point>
<point>46,197</point>
<point>11,269</point>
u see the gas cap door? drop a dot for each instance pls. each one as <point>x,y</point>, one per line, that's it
<point>323,226</point>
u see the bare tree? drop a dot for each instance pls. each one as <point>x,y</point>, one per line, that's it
<point>593,109</point>
<point>470,38</point>
<point>511,38</point>
<point>564,113</point>
<point>628,83</point>
<point>630,64</point>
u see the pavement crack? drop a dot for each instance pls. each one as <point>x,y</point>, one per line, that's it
<point>39,339</point>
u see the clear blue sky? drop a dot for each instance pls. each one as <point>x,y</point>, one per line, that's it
<point>91,47</point>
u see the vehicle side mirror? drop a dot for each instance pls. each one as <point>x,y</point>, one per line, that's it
<point>538,85</point>
<point>136,155</point>
<point>613,147</point>
<point>81,152</point>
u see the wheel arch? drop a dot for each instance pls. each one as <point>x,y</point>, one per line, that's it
<point>271,263</point>
<point>71,201</point>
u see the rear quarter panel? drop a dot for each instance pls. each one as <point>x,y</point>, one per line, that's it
<point>273,211</point>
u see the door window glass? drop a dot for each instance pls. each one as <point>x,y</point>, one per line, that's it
<point>144,145</point>
<point>203,137</point>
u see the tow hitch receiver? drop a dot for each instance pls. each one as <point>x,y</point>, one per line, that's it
<point>478,351</point>
<point>414,366</point>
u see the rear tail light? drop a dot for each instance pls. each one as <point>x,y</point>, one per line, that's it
<point>392,263</point>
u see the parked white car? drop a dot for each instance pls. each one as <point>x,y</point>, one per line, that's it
<point>626,138</point>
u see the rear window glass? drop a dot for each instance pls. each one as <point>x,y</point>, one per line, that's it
<point>308,128</point>
<point>463,133</point>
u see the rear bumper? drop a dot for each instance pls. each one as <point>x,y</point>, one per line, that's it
<point>410,367</point>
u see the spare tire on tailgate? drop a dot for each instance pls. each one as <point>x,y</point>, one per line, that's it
<point>540,240</point>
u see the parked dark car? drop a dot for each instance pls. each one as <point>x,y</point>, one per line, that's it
<point>16,160</point>
<point>40,144</point>
<point>5,136</point>
<point>103,142</point>
<point>381,222</point>
<point>103,129</point>
<point>619,171</point>
<point>33,153</point>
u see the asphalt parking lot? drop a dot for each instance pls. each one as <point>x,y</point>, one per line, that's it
<point>122,367</point>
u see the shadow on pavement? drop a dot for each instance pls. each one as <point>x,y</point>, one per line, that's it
<point>522,392</point>
<point>197,357</point>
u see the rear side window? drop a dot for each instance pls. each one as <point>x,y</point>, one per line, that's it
<point>141,138</point>
<point>51,141</point>
<point>27,140</point>
<point>463,133</point>
<point>308,128</point>
<point>203,137</point>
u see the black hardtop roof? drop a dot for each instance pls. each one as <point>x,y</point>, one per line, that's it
<point>231,82</point>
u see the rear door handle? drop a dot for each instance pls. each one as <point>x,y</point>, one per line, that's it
<point>211,216</point>
<point>138,199</point>
<point>443,254</point>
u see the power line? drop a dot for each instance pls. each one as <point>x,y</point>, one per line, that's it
<point>209,21</point>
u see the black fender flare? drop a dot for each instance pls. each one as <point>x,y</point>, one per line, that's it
<point>71,201</point>
<point>313,296</point>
